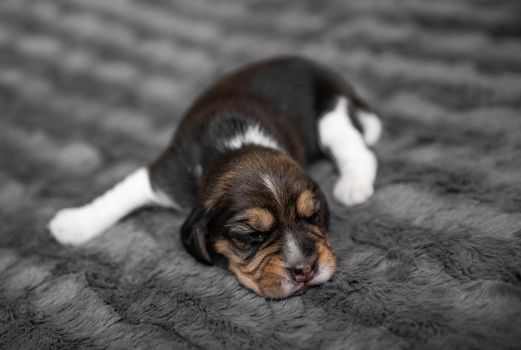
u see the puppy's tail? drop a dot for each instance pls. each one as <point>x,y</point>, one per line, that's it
<point>76,226</point>
<point>329,86</point>
<point>371,126</point>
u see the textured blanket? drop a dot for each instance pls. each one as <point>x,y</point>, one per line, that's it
<point>92,89</point>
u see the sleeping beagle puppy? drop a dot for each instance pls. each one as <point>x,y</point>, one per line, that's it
<point>236,163</point>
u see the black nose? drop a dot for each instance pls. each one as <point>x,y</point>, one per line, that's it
<point>303,272</point>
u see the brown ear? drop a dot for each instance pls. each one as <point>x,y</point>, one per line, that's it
<point>194,235</point>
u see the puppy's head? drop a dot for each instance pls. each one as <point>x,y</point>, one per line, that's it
<point>267,219</point>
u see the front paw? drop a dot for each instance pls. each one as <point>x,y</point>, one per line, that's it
<point>352,190</point>
<point>73,226</point>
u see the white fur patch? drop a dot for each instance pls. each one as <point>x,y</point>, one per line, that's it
<point>292,252</point>
<point>356,163</point>
<point>291,287</point>
<point>78,225</point>
<point>323,275</point>
<point>253,135</point>
<point>372,126</point>
<point>198,170</point>
<point>270,184</point>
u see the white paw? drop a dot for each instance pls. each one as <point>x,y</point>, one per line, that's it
<point>352,190</point>
<point>74,226</point>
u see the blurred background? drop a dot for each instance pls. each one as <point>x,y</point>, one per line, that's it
<point>93,89</point>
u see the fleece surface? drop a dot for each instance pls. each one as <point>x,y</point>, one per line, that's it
<point>92,89</point>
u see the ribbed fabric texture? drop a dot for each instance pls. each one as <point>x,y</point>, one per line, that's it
<point>91,90</point>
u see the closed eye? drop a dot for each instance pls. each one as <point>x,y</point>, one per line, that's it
<point>313,219</point>
<point>257,237</point>
<point>246,234</point>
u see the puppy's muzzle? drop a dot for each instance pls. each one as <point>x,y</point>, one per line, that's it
<point>303,272</point>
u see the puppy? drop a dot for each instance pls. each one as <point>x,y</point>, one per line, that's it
<point>236,161</point>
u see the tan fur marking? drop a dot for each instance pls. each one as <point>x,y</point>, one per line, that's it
<point>326,256</point>
<point>223,247</point>
<point>267,280</point>
<point>258,259</point>
<point>246,281</point>
<point>260,219</point>
<point>306,205</point>
<point>271,277</point>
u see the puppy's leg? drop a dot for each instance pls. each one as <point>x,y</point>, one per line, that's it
<point>78,225</point>
<point>356,163</point>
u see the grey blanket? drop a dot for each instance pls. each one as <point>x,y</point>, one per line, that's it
<point>92,89</point>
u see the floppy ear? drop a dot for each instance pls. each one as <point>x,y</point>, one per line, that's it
<point>194,234</point>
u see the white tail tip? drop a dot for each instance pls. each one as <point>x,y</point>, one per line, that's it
<point>372,127</point>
